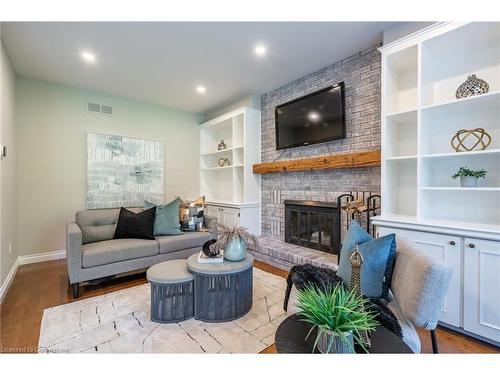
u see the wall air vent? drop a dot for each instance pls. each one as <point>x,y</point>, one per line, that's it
<point>102,109</point>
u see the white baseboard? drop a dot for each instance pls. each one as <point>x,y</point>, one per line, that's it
<point>42,257</point>
<point>8,280</point>
<point>28,259</point>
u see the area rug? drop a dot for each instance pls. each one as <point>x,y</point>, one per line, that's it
<point>119,322</point>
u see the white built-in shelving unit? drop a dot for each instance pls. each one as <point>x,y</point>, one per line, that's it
<point>232,192</point>
<point>420,115</point>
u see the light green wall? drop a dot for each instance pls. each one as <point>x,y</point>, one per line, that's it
<point>52,123</point>
<point>7,168</point>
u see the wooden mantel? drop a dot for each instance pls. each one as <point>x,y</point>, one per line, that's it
<point>349,160</point>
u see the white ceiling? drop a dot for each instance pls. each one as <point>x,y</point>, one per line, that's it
<point>163,62</point>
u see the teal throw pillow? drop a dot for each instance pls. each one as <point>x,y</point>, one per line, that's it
<point>167,218</point>
<point>378,260</point>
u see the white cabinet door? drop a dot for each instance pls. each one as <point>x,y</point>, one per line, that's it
<point>230,216</point>
<point>446,249</point>
<point>225,215</point>
<point>482,288</point>
<point>212,211</point>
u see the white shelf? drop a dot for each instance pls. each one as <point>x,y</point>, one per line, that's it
<point>462,154</point>
<point>218,168</point>
<point>409,157</point>
<point>401,114</point>
<point>459,188</point>
<point>472,103</point>
<point>461,227</point>
<point>218,152</point>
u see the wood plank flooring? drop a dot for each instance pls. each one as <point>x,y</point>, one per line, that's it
<point>43,285</point>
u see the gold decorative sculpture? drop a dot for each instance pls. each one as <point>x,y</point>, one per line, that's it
<point>223,162</point>
<point>470,139</point>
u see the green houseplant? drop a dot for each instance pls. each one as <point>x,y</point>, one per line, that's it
<point>234,242</point>
<point>339,315</point>
<point>469,177</point>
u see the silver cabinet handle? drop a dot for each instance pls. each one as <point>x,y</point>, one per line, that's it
<point>471,245</point>
<point>452,243</point>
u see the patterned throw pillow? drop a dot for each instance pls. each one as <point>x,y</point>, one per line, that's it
<point>378,260</point>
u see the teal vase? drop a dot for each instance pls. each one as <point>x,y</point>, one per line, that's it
<point>235,250</point>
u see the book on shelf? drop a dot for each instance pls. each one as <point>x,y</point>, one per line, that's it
<point>202,258</point>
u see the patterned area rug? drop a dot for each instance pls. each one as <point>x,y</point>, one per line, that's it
<point>119,322</point>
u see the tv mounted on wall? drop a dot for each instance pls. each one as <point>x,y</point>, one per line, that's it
<point>315,118</point>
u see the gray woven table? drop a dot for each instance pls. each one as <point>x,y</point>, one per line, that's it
<point>223,291</point>
<point>171,291</point>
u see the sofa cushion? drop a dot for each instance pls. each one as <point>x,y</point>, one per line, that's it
<point>112,251</point>
<point>99,225</point>
<point>186,240</point>
<point>136,225</point>
<point>166,217</point>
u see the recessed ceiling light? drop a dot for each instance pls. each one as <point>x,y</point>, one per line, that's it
<point>88,57</point>
<point>260,50</point>
<point>201,89</point>
<point>313,116</point>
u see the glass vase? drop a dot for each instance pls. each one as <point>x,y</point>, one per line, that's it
<point>330,343</point>
<point>235,250</point>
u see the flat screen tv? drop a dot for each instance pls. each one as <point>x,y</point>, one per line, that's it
<point>314,118</point>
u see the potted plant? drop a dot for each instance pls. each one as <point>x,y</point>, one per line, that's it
<point>234,242</point>
<point>469,177</point>
<point>339,316</point>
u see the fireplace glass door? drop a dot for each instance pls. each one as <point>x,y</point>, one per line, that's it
<point>311,228</point>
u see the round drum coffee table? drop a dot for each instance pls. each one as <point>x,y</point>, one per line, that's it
<point>292,332</point>
<point>222,291</point>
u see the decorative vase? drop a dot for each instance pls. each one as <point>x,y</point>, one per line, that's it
<point>472,86</point>
<point>221,146</point>
<point>235,250</point>
<point>330,343</point>
<point>468,181</point>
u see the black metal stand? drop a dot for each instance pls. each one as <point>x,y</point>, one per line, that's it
<point>372,210</point>
<point>434,342</point>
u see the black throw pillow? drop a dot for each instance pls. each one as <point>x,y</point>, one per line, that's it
<point>132,225</point>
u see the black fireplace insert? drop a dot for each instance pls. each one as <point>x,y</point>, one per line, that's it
<point>313,224</point>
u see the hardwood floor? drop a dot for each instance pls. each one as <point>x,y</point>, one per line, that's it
<point>43,285</point>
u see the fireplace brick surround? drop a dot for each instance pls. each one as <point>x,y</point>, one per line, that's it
<point>361,75</point>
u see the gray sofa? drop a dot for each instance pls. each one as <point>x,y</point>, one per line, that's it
<point>418,287</point>
<point>92,253</point>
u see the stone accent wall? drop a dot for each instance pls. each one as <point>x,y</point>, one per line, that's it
<point>361,74</point>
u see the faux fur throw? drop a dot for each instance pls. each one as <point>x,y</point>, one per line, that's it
<point>307,274</point>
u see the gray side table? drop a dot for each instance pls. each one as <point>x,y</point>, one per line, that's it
<point>172,291</point>
<point>223,291</point>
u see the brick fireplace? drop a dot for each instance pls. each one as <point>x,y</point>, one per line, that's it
<point>361,75</point>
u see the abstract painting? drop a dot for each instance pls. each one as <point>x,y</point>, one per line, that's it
<point>122,171</point>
